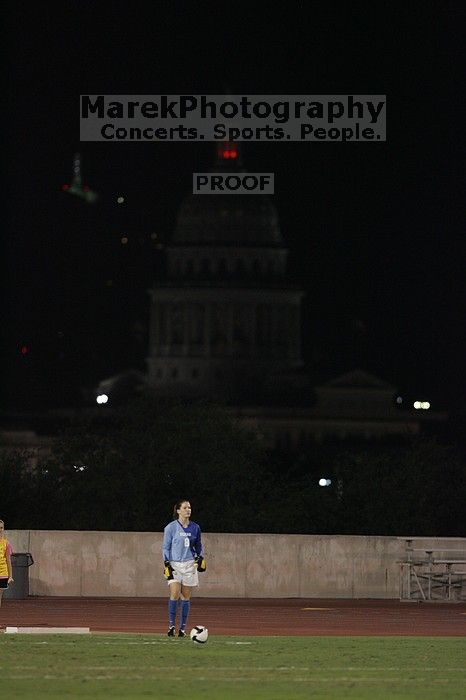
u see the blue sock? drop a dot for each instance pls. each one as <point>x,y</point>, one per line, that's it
<point>172,605</point>
<point>184,613</point>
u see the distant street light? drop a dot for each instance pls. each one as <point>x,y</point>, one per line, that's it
<point>325,482</point>
<point>102,398</point>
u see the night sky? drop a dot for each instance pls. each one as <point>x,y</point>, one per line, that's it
<point>375,231</point>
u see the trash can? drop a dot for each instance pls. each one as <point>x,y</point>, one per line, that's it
<point>20,564</point>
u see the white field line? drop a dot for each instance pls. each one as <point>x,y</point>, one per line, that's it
<point>193,669</point>
<point>333,680</point>
<point>47,630</point>
<point>123,642</point>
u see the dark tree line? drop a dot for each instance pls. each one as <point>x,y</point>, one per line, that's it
<point>124,470</point>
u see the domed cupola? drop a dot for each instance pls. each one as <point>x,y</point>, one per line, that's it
<point>227,220</point>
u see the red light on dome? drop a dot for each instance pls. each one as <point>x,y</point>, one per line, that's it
<point>24,350</point>
<point>65,188</point>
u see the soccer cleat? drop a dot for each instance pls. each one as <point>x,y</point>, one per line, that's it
<point>171,631</point>
<point>181,633</point>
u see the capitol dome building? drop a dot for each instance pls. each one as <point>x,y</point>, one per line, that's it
<point>225,319</point>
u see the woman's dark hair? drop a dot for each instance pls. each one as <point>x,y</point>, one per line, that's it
<point>177,506</point>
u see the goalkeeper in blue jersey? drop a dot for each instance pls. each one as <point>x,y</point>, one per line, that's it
<point>182,560</point>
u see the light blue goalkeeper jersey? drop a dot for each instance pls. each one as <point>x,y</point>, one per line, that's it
<point>181,543</point>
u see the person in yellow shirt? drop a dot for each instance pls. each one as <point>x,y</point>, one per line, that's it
<point>6,576</point>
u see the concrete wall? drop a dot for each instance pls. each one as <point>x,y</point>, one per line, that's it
<point>70,563</point>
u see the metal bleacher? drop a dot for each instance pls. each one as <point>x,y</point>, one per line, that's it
<point>433,569</point>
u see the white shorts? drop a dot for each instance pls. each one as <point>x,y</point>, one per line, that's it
<point>185,572</point>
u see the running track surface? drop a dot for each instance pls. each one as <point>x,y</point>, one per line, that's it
<point>250,616</point>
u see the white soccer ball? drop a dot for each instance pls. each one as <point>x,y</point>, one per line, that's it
<point>199,634</point>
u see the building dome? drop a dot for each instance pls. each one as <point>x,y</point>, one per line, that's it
<point>241,220</point>
<point>225,318</point>
<point>232,219</point>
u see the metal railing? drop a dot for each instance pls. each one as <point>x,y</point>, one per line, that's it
<point>433,572</point>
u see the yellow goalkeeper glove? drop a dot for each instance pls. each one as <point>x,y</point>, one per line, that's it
<point>200,561</point>
<point>168,570</point>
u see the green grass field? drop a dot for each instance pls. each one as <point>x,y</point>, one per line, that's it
<point>227,668</point>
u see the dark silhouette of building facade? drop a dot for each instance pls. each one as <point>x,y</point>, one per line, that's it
<point>226,319</point>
